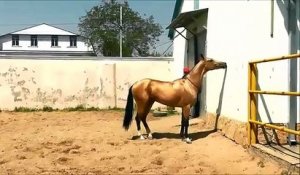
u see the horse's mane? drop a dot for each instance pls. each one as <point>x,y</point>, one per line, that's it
<point>184,76</point>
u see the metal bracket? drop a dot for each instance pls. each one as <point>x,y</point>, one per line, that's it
<point>180,33</point>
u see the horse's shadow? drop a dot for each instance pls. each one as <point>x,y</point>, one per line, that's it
<point>167,135</point>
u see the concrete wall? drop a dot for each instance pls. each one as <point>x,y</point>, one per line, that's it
<point>64,83</point>
<point>237,32</point>
<point>44,44</point>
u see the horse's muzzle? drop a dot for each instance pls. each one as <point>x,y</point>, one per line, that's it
<point>223,65</point>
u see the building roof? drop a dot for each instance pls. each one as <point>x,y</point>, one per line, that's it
<point>42,29</point>
<point>184,19</point>
<point>176,12</point>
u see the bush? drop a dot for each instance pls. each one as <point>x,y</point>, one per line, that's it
<point>117,109</point>
<point>47,109</point>
<point>69,109</point>
<point>92,109</point>
<point>24,109</point>
<point>81,108</point>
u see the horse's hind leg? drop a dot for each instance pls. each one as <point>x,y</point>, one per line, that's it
<point>138,125</point>
<point>147,128</point>
<point>143,108</point>
<point>145,112</point>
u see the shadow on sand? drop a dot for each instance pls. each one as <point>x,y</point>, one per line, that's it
<point>194,136</point>
<point>168,135</point>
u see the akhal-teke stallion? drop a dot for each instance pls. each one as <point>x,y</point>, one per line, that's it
<point>178,93</point>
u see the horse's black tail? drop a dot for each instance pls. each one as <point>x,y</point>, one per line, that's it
<point>128,110</point>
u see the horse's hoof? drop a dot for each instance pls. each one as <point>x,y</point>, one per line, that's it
<point>187,140</point>
<point>150,137</point>
<point>142,137</point>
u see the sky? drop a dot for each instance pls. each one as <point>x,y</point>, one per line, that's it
<point>65,14</point>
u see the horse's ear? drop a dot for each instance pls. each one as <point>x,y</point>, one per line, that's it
<point>202,57</point>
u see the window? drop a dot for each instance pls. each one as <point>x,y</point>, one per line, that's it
<point>33,39</point>
<point>54,41</point>
<point>73,41</point>
<point>15,40</point>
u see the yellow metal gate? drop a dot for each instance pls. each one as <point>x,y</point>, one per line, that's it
<point>252,99</point>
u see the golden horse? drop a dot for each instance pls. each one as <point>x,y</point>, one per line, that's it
<point>178,93</point>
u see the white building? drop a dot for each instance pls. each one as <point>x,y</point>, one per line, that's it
<point>237,32</point>
<point>43,39</point>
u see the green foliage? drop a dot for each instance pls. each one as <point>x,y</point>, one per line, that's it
<point>159,112</point>
<point>79,108</point>
<point>116,109</point>
<point>24,109</point>
<point>69,109</point>
<point>172,112</point>
<point>82,108</point>
<point>47,109</point>
<point>93,109</point>
<point>101,27</point>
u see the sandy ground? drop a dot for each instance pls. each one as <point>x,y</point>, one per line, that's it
<point>95,143</point>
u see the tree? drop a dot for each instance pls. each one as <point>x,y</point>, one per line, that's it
<point>101,27</point>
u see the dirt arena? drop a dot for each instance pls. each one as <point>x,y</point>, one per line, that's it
<point>95,143</point>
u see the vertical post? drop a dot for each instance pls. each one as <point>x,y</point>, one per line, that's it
<point>196,4</point>
<point>115,84</point>
<point>197,108</point>
<point>249,106</point>
<point>272,18</point>
<point>253,103</point>
<point>121,28</point>
<point>292,28</point>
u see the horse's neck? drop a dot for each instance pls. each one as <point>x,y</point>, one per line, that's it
<point>197,73</point>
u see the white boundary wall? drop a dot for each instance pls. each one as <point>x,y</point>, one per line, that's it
<point>67,82</point>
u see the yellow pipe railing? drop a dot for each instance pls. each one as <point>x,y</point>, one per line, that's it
<point>252,103</point>
<point>281,128</point>
<point>275,92</point>
<point>293,56</point>
<point>252,99</point>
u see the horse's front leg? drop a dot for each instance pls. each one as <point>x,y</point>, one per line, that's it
<point>182,126</point>
<point>185,123</point>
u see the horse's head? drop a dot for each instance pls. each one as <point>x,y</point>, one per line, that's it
<point>211,64</point>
